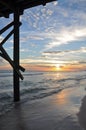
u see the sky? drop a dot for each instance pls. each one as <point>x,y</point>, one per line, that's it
<point>52,37</point>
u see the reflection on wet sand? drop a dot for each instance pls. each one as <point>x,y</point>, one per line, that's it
<point>19,114</point>
<point>62,98</point>
<point>82,113</point>
<point>18,118</point>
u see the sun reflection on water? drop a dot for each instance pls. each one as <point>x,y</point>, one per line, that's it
<point>62,98</point>
<point>55,75</point>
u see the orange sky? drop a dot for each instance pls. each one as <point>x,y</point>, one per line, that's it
<point>68,67</point>
<point>35,67</point>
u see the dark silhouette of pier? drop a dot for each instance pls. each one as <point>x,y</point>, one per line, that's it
<point>15,7</point>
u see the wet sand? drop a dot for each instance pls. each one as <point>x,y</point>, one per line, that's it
<point>63,111</point>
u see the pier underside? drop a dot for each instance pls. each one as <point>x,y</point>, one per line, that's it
<point>16,8</point>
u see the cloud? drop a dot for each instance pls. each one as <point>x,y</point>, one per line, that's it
<point>2,62</point>
<point>66,56</point>
<point>51,16</point>
<point>24,50</point>
<point>32,36</point>
<point>1,38</point>
<point>53,22</point>
<point>82,62</point>
<point>67,36</point>
<point>39,18</point>
<point>47,61</point>
<point>55,53</point>
<point>70,56</point>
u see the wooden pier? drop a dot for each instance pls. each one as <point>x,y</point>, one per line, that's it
<point>15,7</point>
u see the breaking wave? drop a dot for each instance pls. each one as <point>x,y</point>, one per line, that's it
<point>37,85</point>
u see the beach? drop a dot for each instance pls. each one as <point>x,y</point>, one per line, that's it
<point>43,65</point>
<point>63,111</point>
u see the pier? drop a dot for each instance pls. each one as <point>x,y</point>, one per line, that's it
<point>16,8</point>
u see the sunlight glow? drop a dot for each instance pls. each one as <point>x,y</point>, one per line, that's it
<point>58,67</point>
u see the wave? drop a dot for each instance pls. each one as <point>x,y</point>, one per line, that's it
<point>10,74</point>
<point>33,73</point>
<point>5,96</point>
<point>6,75</point>
<point>6,102</point>
<point>32,90</point>
<point>45,85</point>
<point>79,78</point>
<point>36,86</point>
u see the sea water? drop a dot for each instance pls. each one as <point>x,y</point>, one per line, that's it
<point>37,85</point>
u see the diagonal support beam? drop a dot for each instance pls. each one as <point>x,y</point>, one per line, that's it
<point>7,37</point>
<point>7,59</point>
<point>6,56</point>
<point>6,27</point>
<point>4,53</point>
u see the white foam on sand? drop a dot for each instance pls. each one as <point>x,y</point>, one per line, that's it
<point>57,112</point>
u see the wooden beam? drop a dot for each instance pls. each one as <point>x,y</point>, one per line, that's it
<point>8,4</point>
<point>6,56</point>
<point>32,3</point>
<point>16,56</point>
<point>7,37</point>
<point>6,27</point>
<point>2,14</point>
<point>11,63</point>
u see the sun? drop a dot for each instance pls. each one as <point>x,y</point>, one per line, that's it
<point>58,67</point>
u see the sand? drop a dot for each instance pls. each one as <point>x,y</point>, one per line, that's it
<point>63,111</point>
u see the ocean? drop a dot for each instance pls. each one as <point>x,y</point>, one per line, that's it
<point>37,85</point>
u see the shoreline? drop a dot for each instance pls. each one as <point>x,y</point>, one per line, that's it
<point>62,111</point>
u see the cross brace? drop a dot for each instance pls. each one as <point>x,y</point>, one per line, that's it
<point>14,63</point>
<point>4,53</point>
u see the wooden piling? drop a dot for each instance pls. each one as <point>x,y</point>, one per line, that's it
<point>16,56</point>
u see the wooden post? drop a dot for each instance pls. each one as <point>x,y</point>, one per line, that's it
<point>16,56</point>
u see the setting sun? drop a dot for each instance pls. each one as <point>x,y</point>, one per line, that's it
<point>58,67</point>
